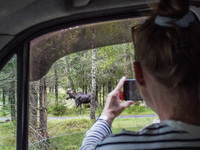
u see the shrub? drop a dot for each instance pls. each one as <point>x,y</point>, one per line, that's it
<point>136,110</point>
<point>58,110</point>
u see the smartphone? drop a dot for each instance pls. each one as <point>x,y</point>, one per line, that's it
<point>130,91</point>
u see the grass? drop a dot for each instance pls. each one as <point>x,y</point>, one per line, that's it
<point>133,124</point>
<point>82,124</point>
<point>4,112</point>
<point>68,134</point>
<point>137,110</point>
<point>8,136</point>
<point>58,127</point>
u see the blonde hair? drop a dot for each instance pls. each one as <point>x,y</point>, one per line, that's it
<point>170,54</point>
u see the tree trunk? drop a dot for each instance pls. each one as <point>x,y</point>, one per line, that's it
<point>125,64</point>
<point>43,109</point>
<point>103,94</point>
<point>12,100</point>
<point>93,102</point>
<point>85,89</point>
<point>4,98</point>
<point>130,62</point>
<point>56,82</point>
<point>50,89</point>
<point>131,74</point>
<point>33,108</point>
<point>100,96</point>
<point>97,92</point>
<point>68,74</point>
<point>109,86</point>
<point>83,74</point>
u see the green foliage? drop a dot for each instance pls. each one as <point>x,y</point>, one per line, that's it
<point>8,76</point>
<point>8,73</point>
<point>131,110</point>
<point>5,111</point>
<point>109,64</point>
<point>7,147</point>
<point>58,110</point>
<point>137,110</point>
<point>51,97</point>
<point>8,86</point>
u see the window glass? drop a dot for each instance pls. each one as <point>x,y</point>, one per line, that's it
<point>8,105</point>
<point>89,59</point>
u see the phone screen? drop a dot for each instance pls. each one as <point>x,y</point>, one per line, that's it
<point>130,90</point>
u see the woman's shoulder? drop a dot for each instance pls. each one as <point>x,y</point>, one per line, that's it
<point>162,129</point>
<point>157,135</point>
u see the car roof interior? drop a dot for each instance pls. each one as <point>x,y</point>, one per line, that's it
<point>25,19</point>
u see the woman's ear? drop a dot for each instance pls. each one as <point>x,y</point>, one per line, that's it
<point>139,73</point>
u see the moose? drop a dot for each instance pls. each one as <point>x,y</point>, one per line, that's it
<point>80,98</point>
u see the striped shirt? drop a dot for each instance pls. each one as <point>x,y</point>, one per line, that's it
<point>168,134</point>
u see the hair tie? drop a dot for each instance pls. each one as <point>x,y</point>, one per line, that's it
<point>167,22</point>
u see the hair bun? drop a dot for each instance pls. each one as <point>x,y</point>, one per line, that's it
<point>173,8</point>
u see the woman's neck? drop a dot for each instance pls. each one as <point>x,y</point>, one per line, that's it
<point>170,104</point>
<point>185,108</point>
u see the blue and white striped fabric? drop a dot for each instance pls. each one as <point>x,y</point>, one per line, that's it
<point>97,133</point>
<point>165,135</point>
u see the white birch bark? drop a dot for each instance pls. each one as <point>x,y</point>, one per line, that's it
<point>93,102</point>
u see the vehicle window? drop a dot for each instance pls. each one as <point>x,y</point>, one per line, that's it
<point>8,105</point>
<point>89,59</point>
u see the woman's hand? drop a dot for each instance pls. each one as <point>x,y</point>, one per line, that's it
<point>114,106</point>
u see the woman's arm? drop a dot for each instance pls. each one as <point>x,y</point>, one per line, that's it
<point>97,133</point>
<point>112,109</point>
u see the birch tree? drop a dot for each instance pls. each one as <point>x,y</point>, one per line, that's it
<point>93,104</point>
